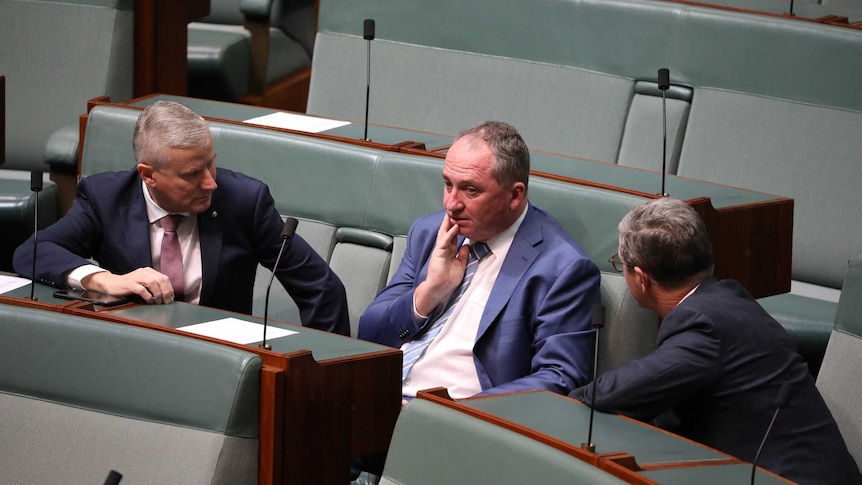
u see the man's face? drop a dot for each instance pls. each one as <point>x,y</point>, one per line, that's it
<point>186,183</point>
<point>472,197</point>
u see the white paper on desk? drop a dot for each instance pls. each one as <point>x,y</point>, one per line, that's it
<point>236,330</point>
<point>291,121</point>
<point>9,283</point>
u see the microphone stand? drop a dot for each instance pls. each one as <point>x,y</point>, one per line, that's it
<point>367,34</point>
<point>663,85</point>
<point>598,323</point>
<point>36,187</point>
<point>784,395</point>
<point>286,235</point>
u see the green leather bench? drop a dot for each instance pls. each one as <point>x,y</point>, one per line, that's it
<point>356,204</point>
<point>433,444</point>
<point>839,381</point>
<point>763,103</point>
<point>81,397</point>
<point>56,55</point>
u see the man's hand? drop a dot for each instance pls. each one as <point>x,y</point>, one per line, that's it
<point>147,283</point>
<point>446,268</point>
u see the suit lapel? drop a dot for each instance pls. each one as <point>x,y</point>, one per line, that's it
<point>520,257</point>
<point>210,232</point>
<point>137,230</point>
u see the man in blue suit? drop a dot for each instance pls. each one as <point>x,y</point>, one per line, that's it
<point>227,228</point>
<point>523,321</point>
<point>721,359</point>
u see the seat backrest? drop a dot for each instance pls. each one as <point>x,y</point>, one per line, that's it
<point>434,444</point>
<point>56,56</point>
<point>630,330</point>
<point>840,376</point>
<point>92,396</point>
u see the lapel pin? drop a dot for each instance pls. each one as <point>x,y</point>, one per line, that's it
<point>215,214</point>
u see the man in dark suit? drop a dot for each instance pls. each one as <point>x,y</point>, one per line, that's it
<point>228,224</point>
<point>721,359</point>
<point>523,321</point>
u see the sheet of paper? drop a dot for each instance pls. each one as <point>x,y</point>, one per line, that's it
<point>292,121</point>
<point>236,330</point>
<point>9,283</point>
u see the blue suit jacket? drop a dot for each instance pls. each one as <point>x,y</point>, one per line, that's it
<point>720,362</point>
<point>535,331</point>
<point>242,227</point>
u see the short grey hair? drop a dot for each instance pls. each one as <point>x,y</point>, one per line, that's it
<point>168,124</point>
<point>511,155</point>
<point>667,239</point>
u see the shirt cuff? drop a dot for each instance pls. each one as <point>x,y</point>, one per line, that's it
<point>76,275</point>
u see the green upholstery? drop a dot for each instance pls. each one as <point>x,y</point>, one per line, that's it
<point>242,39</point>
<point>759,102</point>
<point>433,444</point>
<point>839,378</point>
<point>355,206</point>
<point>17,211</point>
<point>81,397</point>
<point>56,55</point>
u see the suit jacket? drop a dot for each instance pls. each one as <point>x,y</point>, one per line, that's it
<point>535,331</point>
<point>714,378</point>
<point>108,222</point>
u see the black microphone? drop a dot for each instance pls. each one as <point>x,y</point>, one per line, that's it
<point>114,478</point>
<point>663,86</point>
<point>286,236</point>
<point>598,322</point>
<point>367,34</point>
<point>784,395</point>
<point>36,187</point>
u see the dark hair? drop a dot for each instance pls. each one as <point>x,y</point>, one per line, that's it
<point>511,155</point>
<point>667,239</point>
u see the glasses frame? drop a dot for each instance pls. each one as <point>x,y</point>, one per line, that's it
<point>617,263</point>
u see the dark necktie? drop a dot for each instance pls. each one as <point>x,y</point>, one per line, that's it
<point>171,258</point>
<point>417,347</point>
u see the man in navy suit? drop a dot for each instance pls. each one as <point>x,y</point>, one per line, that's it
<point>721,359</point>
<point>524,320</point>
<point>228,227</point>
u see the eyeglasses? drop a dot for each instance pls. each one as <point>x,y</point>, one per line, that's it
<point>617,263</point>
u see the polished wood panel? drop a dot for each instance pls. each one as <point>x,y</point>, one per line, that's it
<point>161,42</point>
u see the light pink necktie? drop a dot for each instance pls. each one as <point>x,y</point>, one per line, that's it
<point>171,258</point>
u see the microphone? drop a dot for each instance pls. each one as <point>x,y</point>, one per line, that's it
<point>286,236</point>
<point>114,478</point>
<point>663,85</point>
<point>36,187</point>
<point>598,321</point>
<point>367,34</point>
<point>784,395</point>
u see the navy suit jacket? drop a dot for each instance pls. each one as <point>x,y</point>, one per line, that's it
<point>535,331</point>
<point>108,222</point>
<point>714,378</point>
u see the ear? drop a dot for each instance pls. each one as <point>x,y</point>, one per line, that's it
<point>517,193</point>
<point>643,280</point>
<point>146,173</point>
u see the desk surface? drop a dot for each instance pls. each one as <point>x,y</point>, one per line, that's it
<point>568,421</point>
<point>661,456</point>
<point>354,130</point>
<point>324,346</point>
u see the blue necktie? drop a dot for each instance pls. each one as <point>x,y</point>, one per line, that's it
<point>417,347</point>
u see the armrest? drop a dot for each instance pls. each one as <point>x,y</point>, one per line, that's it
<point>256,9</point>
<point>61,149</point>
